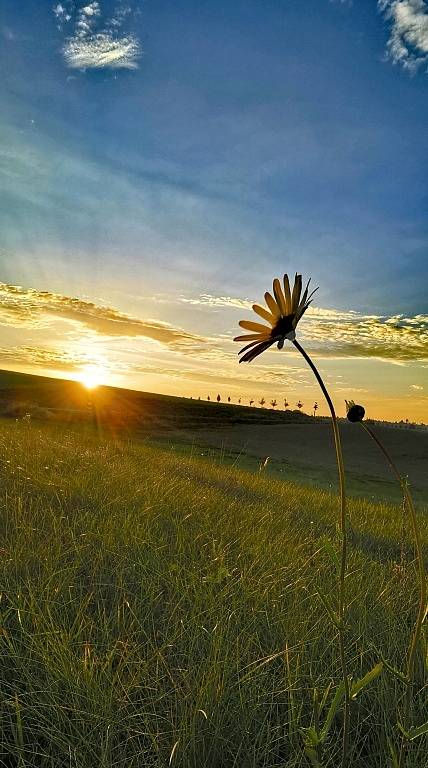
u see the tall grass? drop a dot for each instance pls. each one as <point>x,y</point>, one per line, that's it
<point>161,609</point>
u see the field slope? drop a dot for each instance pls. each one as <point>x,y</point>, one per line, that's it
<point>158,609</point>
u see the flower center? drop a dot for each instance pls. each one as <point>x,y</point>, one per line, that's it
<point>283,326</point>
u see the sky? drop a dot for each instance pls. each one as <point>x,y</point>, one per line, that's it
<point>162,161</point>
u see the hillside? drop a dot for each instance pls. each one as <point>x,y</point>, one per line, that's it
<point>164,610</point>
<point>64,400</point>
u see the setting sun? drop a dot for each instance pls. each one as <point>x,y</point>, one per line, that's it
<point>91,377</point>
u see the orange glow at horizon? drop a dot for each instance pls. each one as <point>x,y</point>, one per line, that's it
<point>91,377</point>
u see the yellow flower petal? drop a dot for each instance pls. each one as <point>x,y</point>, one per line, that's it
<point>252,337</point>
<point>250,326</point>
<point>297,289</point>
<point>280,300</point>
<point>287,295</point>
<point>273,306</point>
<point>264,314</point>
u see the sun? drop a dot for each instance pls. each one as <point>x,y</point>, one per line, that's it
<point>91,377</point>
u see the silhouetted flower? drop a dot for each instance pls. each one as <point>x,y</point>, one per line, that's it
<point>354,412</point>
<point>285,309</point>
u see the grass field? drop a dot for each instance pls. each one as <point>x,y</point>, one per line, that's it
<point>161,609</point>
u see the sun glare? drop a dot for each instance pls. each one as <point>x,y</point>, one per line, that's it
<point>91,377</point>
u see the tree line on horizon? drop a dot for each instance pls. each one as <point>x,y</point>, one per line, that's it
<point>262,402</point>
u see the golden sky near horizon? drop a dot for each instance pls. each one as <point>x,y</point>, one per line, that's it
<point>188,350</point>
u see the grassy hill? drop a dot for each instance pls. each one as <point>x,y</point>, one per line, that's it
<point>300,448</point>
<point>116,408</point>
<point>160,610</point>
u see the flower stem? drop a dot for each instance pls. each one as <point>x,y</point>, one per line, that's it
<point>342,574</point>
<point>416,634</point>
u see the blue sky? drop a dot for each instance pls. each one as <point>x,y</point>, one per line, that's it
<point>154,152</point>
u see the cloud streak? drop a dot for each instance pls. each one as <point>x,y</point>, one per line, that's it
<point>235,377</point>
<point>97,42</point>
<point>342,333</point>
<point>45,357</point>
<point>408,40</point>
<point>30,308</point>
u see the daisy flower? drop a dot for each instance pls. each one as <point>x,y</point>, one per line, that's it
<point>284,310</point>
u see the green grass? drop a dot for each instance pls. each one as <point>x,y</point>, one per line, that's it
<point>360,485</point>
<point>162,608</point>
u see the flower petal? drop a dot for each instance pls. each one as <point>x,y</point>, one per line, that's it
<point>287,294</point>
<point>273,306</point>
<point>249,325</point>
<point>301,311</point>
<point>297,289</point>
<point>257,350</point>
<point>312,293</point>
<point>305,294</point>
<point>306,300</point>
<point>252,336</point>
<point>279,296</point>
<point>248,346</point>
<point>264,314</point>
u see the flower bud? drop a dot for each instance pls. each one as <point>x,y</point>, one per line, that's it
<point>354,412</point>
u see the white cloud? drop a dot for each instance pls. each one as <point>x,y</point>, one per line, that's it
<point>218,301</point>
<point>59,10</point>
<point>417,387</point>
<point>97,42</point>
<point>102,51</point>
<point>30,308</point>
<point>346,333</point>
<point>93,9</point>
<point>408,40</point>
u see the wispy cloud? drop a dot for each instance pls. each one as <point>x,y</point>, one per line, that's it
<point>346,333</point>
<point>217,301</point>
<point>97,42</point>
<point>408,40</point>
<point>45,357</point>
<point>395,338</point>
<point>235,377</point>
<point>30,308</point>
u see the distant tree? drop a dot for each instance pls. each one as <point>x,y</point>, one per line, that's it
<point>273,403</point>
<point>218,398</point>
<point>286,403</point>
<point>228,399</point>
<point>251,402</point>
<point>208,398</point>
<point>299,405</point>
<point>315,408</point>
<point>262,402</point>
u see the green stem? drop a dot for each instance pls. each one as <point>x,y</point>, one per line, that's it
<point>416,634</point>
<point>343,558</point>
